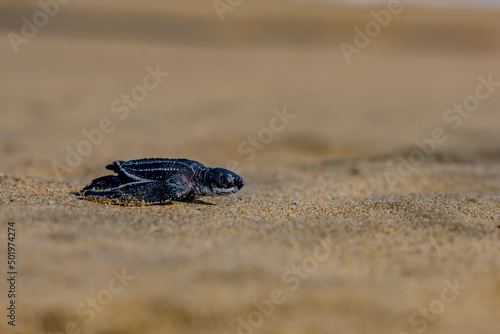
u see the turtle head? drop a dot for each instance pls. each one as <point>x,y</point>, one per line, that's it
<point>221,181</point>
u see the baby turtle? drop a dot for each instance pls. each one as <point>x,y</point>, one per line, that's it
<point>158,180</point>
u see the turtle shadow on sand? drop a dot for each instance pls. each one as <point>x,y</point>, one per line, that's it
<point>80,196</point>
<point>196,201</point>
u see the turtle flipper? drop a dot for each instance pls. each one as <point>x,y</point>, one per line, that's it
<point>103,183</point>
<point>151,192</point>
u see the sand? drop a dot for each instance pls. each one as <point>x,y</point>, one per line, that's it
<point>345,224</point>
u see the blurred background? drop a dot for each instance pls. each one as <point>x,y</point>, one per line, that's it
<point>267,89</point>
<point>229,67</point>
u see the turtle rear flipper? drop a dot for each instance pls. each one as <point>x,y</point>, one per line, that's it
<point>152,192</point>
<point>103,183</point>
<point>115,166</point>
<point>119,167</point>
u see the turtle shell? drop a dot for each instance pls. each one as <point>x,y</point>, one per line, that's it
<point>154,168</point>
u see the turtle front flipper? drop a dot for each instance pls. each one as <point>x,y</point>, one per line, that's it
<point>103,183</point>
<point>151,192</point>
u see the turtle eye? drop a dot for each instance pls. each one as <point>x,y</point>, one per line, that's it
<point>224,180</point>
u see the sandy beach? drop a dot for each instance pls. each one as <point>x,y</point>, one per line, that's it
<point>371,202</point>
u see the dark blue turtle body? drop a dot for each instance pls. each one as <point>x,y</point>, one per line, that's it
<point>157,180</point>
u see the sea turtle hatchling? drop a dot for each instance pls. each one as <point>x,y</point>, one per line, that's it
<point>157,180</point>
